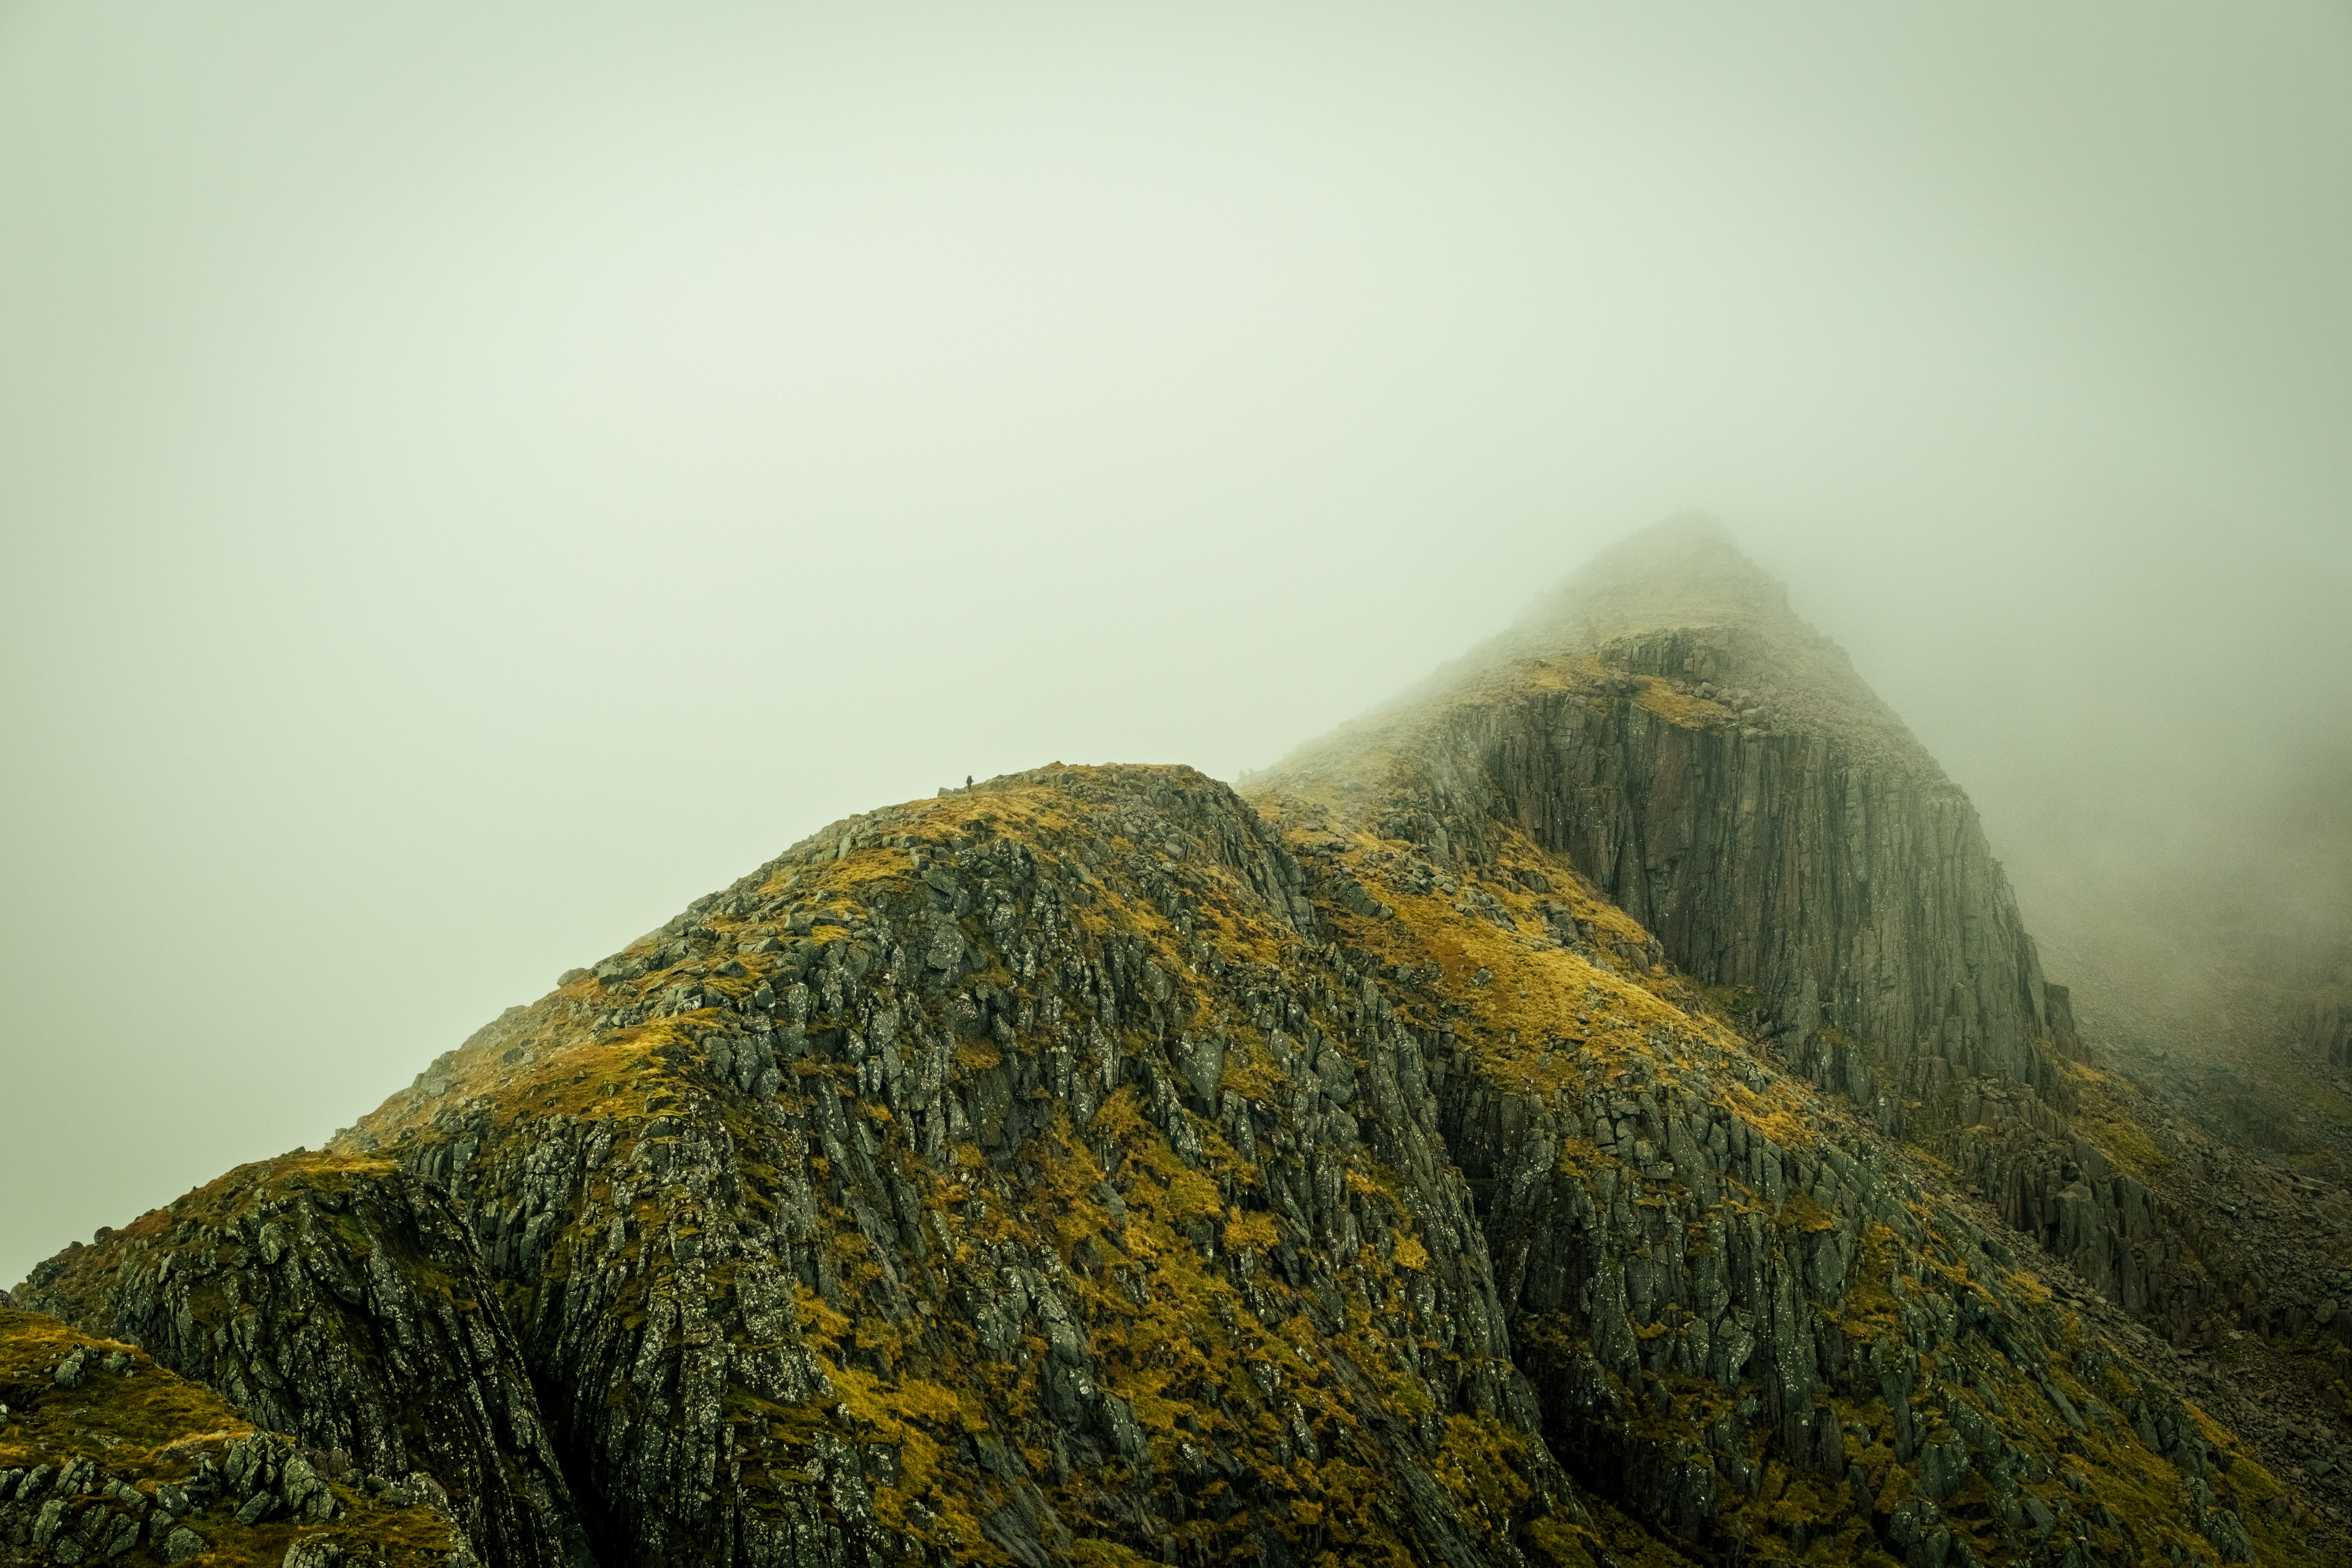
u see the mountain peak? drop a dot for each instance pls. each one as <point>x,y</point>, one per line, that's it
<point>1684,571</point>
<point>1677,602</point>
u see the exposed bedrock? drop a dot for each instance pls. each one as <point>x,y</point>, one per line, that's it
<point>995,1175</point>
<point>1740,1340</point>
<point>107,1457</point>
<point>1716,769</point>
<point>342,1302</point>
<point>2207,1246</point>
<point>1857,900</point>
<point>1094,1166</point>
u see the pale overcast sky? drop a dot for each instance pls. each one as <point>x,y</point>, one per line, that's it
<point>475,477</point>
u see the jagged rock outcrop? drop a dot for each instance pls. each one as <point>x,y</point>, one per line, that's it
<point>2324,1025</point>
<point>106,1456</point>
<point>1750,1319</point>
<point>1668,726</point>
<point>999,1178</point>
<point>342,1301</point>
<point>2188,1238</point>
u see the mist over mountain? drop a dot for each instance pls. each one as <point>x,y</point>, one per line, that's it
<point>1345,1007</point>
<point>1603,1105</point>
<point>858,402</point>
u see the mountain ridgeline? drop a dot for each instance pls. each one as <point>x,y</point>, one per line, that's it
<point>1603,1108</point>
<point>1668,727</point>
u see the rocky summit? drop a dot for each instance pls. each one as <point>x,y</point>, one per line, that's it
<point>1602,1108</point>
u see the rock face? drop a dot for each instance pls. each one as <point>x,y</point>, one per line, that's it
<point>105,1456</point>
<point>1716,770</point>
<point>1093,1166</point>
<point>340,1302</point>
<point>1752,1320</point>
<point>2184,1236</point>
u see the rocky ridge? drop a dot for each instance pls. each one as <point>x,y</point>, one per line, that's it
<point>1665,724</point>
<point>1538,1125</point>
<point>1734,1295</point>
<point>1010,1178</point>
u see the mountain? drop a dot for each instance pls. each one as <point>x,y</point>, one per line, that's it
<point>1716,770</point>
<point>1602,1108</point>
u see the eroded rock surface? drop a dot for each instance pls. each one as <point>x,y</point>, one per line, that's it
<point>1752,1318</point>
<point>342,1301</point>
<point>107,1457</point>
<point>1713,767</point>
<point>1008,1177</point>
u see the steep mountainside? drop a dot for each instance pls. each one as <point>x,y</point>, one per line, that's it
<point>107,1457</point>
<point>1604,1108</point>
<point>1715,769</point>
<point>335,1300</point>
<point>999,1178</point>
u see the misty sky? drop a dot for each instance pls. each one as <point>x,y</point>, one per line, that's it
<point>475,477</point>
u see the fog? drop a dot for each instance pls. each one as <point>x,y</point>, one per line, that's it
<point>475,477</point>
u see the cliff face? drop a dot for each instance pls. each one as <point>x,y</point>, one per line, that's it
<point>1753,1321</point>
<point>339,1302</point>
<point>105,1456</point>
<point>1713,767</point>
<point>1097,1167</point>
<point>999,1178</point>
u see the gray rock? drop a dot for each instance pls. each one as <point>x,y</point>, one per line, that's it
<point>683,1287</point>
<point>47,1522</point>
<point>1338,1078</point>
<point>1943,1465</point>
<point>1790,902</point>
<point>376,1263</point>
<point>1201,1059</point>
<point>1118,1421</point>
<point>114,1535</point>
<point>182,1545</point>
<point>2227,1532</point>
